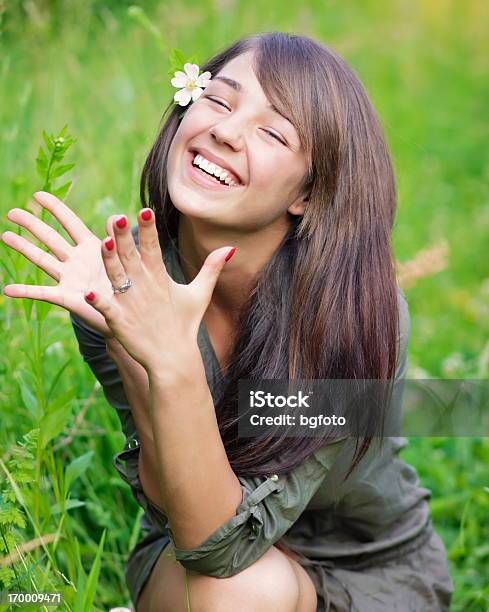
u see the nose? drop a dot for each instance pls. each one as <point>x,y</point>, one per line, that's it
<point>227,132</point>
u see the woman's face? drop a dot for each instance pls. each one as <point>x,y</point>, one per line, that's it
<point>233,125</point>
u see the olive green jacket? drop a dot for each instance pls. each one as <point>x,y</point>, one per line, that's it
<point>379,507</point>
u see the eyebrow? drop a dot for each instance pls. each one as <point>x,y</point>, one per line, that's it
<point>238,87</point>
<point>231,82</point>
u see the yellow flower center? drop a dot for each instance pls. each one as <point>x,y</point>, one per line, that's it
<point>191,85</point>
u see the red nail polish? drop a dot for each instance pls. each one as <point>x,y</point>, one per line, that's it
<point>230,254</point>
<point>146,215</point>
<point>109,243</point>
<point>90,296</point>
<point>121,222</point>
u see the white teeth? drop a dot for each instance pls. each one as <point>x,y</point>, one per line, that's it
<point>213,169</point>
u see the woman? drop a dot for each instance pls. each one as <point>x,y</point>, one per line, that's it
<point>304,289</point>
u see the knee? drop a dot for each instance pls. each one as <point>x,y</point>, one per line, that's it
<point>268,585</point>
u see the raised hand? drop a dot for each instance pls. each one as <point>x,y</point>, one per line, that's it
<point>156,319</point>
<point>76,268</point>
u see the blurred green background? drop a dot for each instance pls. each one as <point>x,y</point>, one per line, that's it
<point>101,67</point>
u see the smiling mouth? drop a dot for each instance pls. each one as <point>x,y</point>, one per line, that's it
<point>209,171</point>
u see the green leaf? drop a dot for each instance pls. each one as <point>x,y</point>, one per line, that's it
<point>136,530</point>
<point>41,163</point>
<point>7,576</point>
<point>56,378</point>
<point>60,170</point>
<point>28,397</point>
<point>53,423</point>
<point>27,305</point>
<point>81,579</point>
<point>177,61</point>
<point>177,57</point>
<point>62,399</point>
<point>42,155</point>
<point>41,168</point>
<point>76,468</point>
<point>8,270</point>
<point>48,141</point>
<point>92,581</point>
<point>61,192</point>
<point>18,520</point>
<point>42,310</point>
<point>69,142</point>
<point>68,505</point>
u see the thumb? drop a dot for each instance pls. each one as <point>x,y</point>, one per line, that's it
<point>205,281</point>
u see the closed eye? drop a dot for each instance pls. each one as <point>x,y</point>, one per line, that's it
<point>275,136</point>
<point>218,102</point>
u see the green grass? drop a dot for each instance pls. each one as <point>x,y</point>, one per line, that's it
<point>90,65</point>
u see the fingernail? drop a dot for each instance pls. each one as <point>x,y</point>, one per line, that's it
<point>90,296</point>
<point>109,244</point>
<point>146,214</point>
<point>121,222</point>
<point>230,254</point>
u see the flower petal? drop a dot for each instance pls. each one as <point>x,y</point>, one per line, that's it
<point>196,93</point>
<point>204,79</point>
<point>191,70</point>
<point>180,79</point>
<point>183,97</point>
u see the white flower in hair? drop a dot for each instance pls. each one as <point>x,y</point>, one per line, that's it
<point>190,84</point>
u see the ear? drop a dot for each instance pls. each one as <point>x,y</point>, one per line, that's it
<point>297,207</point>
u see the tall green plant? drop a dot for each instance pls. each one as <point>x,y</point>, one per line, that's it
<point>21,466</point>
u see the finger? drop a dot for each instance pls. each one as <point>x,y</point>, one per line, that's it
<point>37,256</point>
<point>109,225</point>
<point>115,270</point>
<point>204,283</point>
<point>68,219</point>
<point>53,295</point>
<point>107,308</point>
<point>149,243</point>
<point>126,247</point>
<point>42,231</point>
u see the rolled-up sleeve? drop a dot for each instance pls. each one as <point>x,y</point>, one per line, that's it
<point>269,507</point>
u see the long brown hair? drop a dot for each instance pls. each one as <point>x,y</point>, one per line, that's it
<point>325,306</point>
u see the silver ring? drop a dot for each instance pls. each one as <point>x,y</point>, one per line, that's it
<point>124,287</point>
